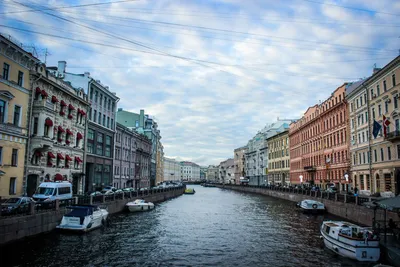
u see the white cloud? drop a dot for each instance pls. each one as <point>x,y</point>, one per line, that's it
<point>294,57</point>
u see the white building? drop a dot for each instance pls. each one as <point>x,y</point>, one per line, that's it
<point>190,171</point>
<point>227,171</point>
<point>172,170</point>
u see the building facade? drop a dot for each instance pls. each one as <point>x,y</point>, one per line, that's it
<point>278,158</point>
<point>256,156</point>
<point>383,91</point>
<point>57,132</point>
<point>203,173</point>
<point>172,169</point>
<point>212,174</point>
<point>15,91</point>
<point>239,162</point>
<point>99,155</point>
<point>160,163</point>
<point>319,147</point>
<point>190,171</point>
<point>227,171</point>
<point>132,159</point>
<point>145,124</point>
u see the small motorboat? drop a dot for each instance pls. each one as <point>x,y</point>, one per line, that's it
<point>311,206</point>
<point>189,191</point>
<point>83,218</point>
<point>139,205</point>
<point>351,241</point>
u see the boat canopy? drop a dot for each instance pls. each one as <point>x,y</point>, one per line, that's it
<point>80,211</point>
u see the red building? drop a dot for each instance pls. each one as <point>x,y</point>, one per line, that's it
<point>319,147</point>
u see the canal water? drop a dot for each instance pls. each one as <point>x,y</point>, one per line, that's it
<point>214,227</point>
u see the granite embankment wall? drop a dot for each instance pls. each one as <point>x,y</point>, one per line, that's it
<point>17,227</point>
<point>349,211</point>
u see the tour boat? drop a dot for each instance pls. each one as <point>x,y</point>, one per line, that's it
<point>139,205</point>
<point>83,218</point>
<point>189,191</point>
<point>311,206</point>
<point>350,240</point>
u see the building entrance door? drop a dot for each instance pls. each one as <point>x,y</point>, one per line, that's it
<point>32,184</point>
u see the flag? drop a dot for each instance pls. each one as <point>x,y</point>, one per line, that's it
<point>376,128</point>
<point>386,123</point>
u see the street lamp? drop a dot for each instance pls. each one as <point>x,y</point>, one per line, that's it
<point>301,179</point>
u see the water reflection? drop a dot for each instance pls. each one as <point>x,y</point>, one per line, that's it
<point>214,227</point>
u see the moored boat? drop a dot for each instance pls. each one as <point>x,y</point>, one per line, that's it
<point>83,218</point>
<point>311,206</point>
<point>189,191</point>
<point>350,240</point>
<point>139,205</point>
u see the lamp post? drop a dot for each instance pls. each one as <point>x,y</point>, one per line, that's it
<point>301,180</point>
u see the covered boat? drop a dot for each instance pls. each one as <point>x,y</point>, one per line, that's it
<point>83,218</point>
<point>350,240</point>
<point>189,191</point>
<point>311,206</point>
<point>139,205</point>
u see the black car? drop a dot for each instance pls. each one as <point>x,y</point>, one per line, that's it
<point>16,205</point>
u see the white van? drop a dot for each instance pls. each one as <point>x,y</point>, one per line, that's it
<point>50,191</point>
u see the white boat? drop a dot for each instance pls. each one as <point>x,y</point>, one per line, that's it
<point>83,218</point>
<point>139,205</point>
<point>311,206</point>
<point>350,240</point>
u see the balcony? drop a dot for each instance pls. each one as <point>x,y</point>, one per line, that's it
<point>11,128</point>
<point>41,142</point>
<point>309,168</point>
<point>393,136</point>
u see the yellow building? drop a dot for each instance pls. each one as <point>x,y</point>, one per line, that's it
<point>278,158</point>
<point>160,163</point>
<point>15,64</point>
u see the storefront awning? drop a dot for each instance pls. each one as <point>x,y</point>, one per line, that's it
<point>60,129</point>
<point>38,90</point>
<point>58,177</point>
<point>44,93</point>
<point>60,156</point>
<point>71,107</point>
<point>51,155</point>
<point>69,132</point>
<point>62,103</point>
<point>54,99</point>
<point>79,136</point>
<point>67,157</point>
<point>78,159</point>
<point>48,122</point>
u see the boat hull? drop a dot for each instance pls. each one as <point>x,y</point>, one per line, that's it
<point>71,224</point>
<point>138,208</point>
<point>359,253</point>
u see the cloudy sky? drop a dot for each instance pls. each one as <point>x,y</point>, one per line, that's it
<point>212,72</point>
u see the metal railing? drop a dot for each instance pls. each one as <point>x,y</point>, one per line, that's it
<point>34,208</point>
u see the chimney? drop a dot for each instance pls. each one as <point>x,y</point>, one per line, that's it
<point>141,118</point>
<point>375,70</point>
<point>61,68</point>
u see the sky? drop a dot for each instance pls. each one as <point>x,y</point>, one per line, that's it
<point>212,73</point>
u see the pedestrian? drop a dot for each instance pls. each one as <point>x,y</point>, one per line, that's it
<point>355,191</point>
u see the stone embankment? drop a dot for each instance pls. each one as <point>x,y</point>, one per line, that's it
<point>36,222</point>
<point>345,206</point>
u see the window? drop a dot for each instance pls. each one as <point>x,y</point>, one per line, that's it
<point>99,149</point>
<point>382,155</point>
<point>109,103</point>
<point>99,138</point>
<point>96,93</point>
<point>395,102</point>
<point>13,186</point>
<point>17,115</point>
<point>108,122</point>
<point>398,151</point>
<point>99,120</point>
<point>101,99</point>
<point>393,80</point>
<point>375,156</point>
<point>113,104</point>
<point>112,123</point>
<point>386,107</point>
<point>357,103</point>
<point>378,91</point>
<point>35,125</point>
<point>14,157</point>
<point>104,120</point>
<point>372,93</point>
<point>6,71</point>
<point>389,153</point>
<point>94,115</point>
<point>379,110</point>
<point>384,85</point>
<point>1,155</point>
<point>108,146</point>
<point>90,148</point>
<point>91,94</point>
<point>3,106</point>
<point>20,78</point>
<point>373,113</point>
<point>90,134</point>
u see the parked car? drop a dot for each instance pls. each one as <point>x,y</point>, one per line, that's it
<point>107,193</point>
<point>331,190</point>
<point>16,205</point>
<point>96,193</point>
<point>128,189</point>
<point>108,188</point>
<point>118,191</point>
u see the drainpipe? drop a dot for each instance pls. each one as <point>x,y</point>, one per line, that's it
<point>28,145</point>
